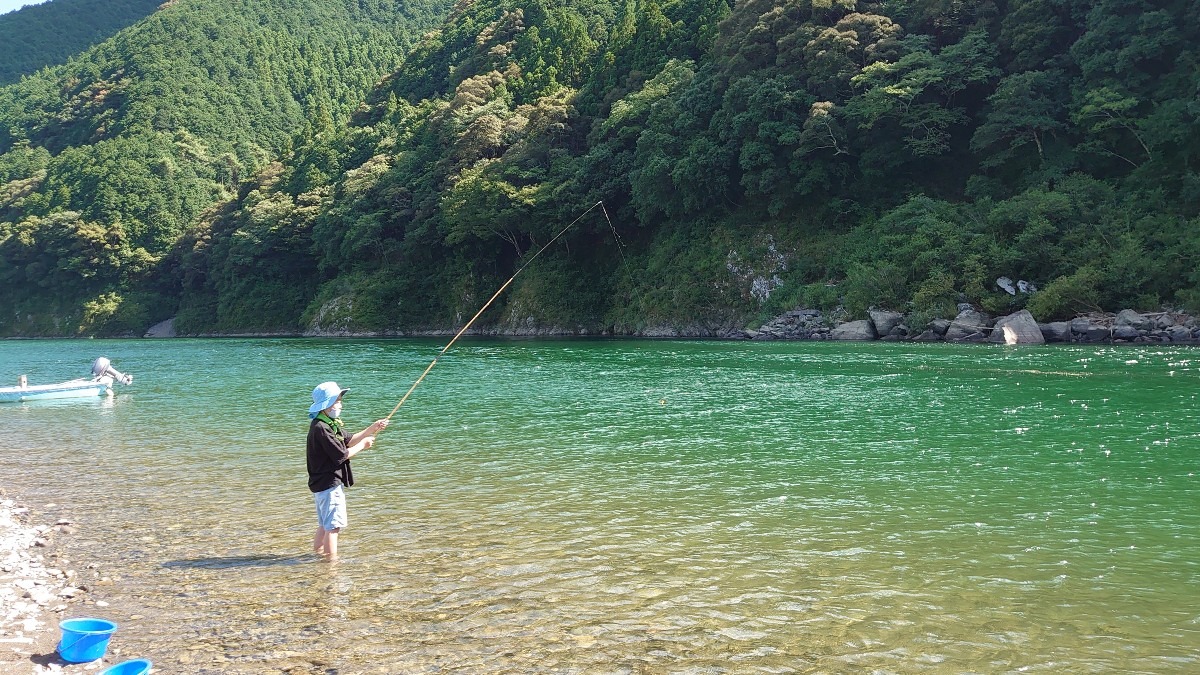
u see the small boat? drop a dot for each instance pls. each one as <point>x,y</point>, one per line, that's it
<point>99,384</point>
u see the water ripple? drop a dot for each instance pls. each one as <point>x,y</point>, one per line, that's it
<point>683,507</point>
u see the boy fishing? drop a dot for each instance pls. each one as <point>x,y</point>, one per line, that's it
<point>330,448</point>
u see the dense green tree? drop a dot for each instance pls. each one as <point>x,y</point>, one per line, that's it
<point>150,128</point>
<point>37,36</point>
<point>1024,115</point>
<point>815,120</point>
<point>746,156</point>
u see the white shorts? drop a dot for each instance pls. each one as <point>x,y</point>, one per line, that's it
<point>331,508</point>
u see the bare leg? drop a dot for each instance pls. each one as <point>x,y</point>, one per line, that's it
<point>320,539</point>
<point>331,537</point>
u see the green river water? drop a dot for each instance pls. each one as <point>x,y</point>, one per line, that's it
<point>547,506</point>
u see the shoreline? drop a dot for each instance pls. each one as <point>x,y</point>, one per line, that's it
<point>970,325</point>
<point>39,587</point>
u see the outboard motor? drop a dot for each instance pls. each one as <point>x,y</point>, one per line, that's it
<point>101,367</point>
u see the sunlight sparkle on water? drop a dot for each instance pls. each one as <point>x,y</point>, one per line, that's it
<point>651,506</point>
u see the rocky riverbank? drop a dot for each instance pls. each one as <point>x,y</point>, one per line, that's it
<point>39,587</point>
<point>972,325</point>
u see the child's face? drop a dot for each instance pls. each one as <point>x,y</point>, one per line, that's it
<point>335,410</point>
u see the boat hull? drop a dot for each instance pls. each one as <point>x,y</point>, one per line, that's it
<point>71,389</point>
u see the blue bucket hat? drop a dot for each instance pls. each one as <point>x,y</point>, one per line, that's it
<point>324,396</point>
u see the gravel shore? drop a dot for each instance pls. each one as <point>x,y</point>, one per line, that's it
<point>39,587</point>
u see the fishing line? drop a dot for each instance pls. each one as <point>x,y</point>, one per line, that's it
<point>624,260</point>
<point>493,299</point>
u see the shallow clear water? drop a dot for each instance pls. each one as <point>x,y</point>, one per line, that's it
<point>632,506</point>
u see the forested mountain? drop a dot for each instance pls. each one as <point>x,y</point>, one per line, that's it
<point>42,35</point>
<point>749,158</point>
<point>105,160</point>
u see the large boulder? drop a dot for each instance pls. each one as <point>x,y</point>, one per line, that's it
<point>885,321</point>
<point>862,329</point>
<point>1017,329</point>
<point>1125,332</point>
<point>1128,317</point>
<point>1056,331</point>
<point>1180,334</point>
<point>939,326</point>
<point>968,325</point>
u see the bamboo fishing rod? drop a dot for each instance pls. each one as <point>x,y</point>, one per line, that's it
<point>493,299</point>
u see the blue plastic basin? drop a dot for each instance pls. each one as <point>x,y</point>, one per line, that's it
<point>134,667</point>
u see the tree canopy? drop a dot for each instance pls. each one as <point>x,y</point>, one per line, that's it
<point>749,158</point>
<point>168,118</point>
<point>38,36</point>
